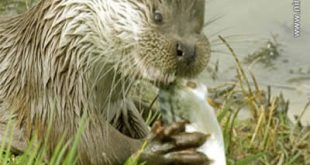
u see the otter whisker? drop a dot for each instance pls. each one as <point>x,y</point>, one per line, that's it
<point>232,38</point>
<point>212,20</point>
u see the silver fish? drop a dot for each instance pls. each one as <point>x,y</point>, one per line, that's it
<point>187,100</point>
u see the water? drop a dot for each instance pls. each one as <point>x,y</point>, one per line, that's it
<point>247,25</point>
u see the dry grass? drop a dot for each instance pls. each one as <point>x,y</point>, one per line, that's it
<point>268,137</point>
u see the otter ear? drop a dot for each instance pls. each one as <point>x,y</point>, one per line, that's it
<point>199,11</point>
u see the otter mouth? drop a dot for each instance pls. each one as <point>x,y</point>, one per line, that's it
<point>155,75</point>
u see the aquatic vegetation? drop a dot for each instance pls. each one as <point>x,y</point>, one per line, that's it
<point>267,54</point>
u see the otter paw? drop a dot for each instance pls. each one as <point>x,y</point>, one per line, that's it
<point>172,145</point>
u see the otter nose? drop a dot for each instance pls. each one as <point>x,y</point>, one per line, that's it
<point>186,52</point>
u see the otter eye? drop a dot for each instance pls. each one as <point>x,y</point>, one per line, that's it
<point>158,17</point>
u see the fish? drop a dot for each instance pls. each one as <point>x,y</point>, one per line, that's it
<point>188,100</point>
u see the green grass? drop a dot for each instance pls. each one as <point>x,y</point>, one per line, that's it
<point>36,153</point>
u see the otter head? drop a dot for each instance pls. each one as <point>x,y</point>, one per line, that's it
<point>166,36</point>
<point>171,43</point>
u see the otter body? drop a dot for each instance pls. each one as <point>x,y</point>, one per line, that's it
<point>63,59</point>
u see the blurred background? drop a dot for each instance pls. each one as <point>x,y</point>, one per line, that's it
<point>261,34</point>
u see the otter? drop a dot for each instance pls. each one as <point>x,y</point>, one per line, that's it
<point>63,59</point>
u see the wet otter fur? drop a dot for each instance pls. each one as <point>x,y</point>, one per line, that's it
<point>62,59</point>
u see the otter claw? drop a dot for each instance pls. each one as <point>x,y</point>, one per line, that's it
<point>175,128</point>
<point>186,140</point>
<point>172,145</point>
<point>187,157</point>
<point>160,132</point>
